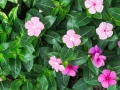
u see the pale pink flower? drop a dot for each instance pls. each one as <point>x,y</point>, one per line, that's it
<point>98,60</point>
<point>107,78</point>
<point>70,70</point>
<point>104,30</point>
<point>94,50</point>
<point>56,63</point>
<point>34,26</point>
<point>40,11</point>
<point>71,39</point>
<point>119,44</point>
<point>94,6</point>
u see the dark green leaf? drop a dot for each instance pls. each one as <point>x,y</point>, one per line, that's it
<point>3,3</point>
<point>64,2</point>
<point>27,86</point>
<point>28,65</point>
<point>102,43</point>
<point>27,2</point>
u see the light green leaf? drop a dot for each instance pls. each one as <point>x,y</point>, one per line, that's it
<point>3,3</point>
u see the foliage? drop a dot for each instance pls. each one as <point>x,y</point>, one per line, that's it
<point>24,59</point>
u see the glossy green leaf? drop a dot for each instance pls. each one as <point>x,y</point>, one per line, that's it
<point>66,53</point>
<point>16,84</point>
<point>48,21</point>
<point>94,69</point>
<point>112,87</point>
<point>27,86</point>
<point>97,15</point>
<point>3,3</point>
<point>102,43</point>
<point>42,83</point>
<point>27,2</point>
<point>64,2</point>
<point>14,45</point>
<point>93,81</point>
<point>13,1</point>
<point>28,65</point>
<point>52,37</point>
<point>87,31</point>
<point>15,65</point>
<point>4,46</point>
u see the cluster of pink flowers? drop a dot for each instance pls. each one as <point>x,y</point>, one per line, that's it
<point>97,58</point>
<point>56,64</point>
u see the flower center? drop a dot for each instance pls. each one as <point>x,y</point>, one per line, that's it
<point>94,4</point>
<point>71,39</point>
<point>56,63</point>
<point>34,27</point>
<point>104,30</point>
<point>107,78</point>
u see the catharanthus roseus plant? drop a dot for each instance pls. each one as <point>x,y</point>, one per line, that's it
<point>59,44</point>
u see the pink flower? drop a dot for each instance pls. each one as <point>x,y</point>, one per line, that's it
<point>94,50</point>
<point>119,44</point>
<point>107,78</point>
<point>56,63</point>
<point>71,39</point>
<point>104,30</point>
<point>0,79</point>
<point>98,60</point>
<point>94,6</point>
<point>34,26</point>
<point>70,70</point>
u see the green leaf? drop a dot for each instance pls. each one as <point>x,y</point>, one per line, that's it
<point>113,38</point>
<point>3,16</point>
<point>26,56</point>
<point>45,5</point>
<point>4,46</point>
<point>13,1</point>
<point>25,40</point>
<point>27,2</point>
<point>13,14</point>
<point>14,45</point>
<point>102,43</point>
<point>97,15</point>
<point>52,37</point>
<point>83,40</point>
<point>15,67</point>
<point>1,57</point>
<point>88,45</point>
<point>48,21</point>
<point>87,31</point>
<point>52,83</point>
<point>93,68</point>
<point>81,59</point>
<point>83,19</point>
<point>107,3</point>
<point>80,84</point>
<point>27,86</point>
<point>62,81</point>
<point>93,81</point>
<point>28,65</point>
<point>56,47</point>
<point>3,3</point>
<point>4,85</point>
<point>118,51</point>
<point>29,48</point>
<point>66,53</point>
<point>64,2</point>
<point>112,44</point>
<point>112,87</point>
<point>73,24</point>
<point>16,84</point>
<point>42,83</point>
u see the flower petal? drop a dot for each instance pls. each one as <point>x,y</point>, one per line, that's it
<point>71,73</point>
<point>76,42</point>
<point>40,25</point>
<point>69,44</point>
<point>65,71</point>
<point>61,67</point>
<point>109,27</point>
<point>34,20</point>
<point>119,44</point>
<point>101,78</point>
<point>105,84</point>
<point>99,8</point>
<point>70,33</point>
<point>66,38</point>
<point>28,25</point>
<point>113,75</point>
<point>103,25</point>
<point>37,32</point>
<point>88,4</point>
<point>97,49</point>
<point>75,68</point>
<point>109,33</point>
<point>99,31</point>
<point>106,72</point>
<point>92,10</point>
<point>103,36</point>
<point>31,32</point>
<point>112,82</point>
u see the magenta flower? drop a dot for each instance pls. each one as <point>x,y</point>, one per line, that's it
<point>104,30</point>
<point>107,78</point>
<point>94,6</point>
<point>119,44</point>
<point>94,50</point>
<point>34,26</point>
<point>71,39</point>
<point>98,60</point>
<point>56,63</point>
<point>70,70</point>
